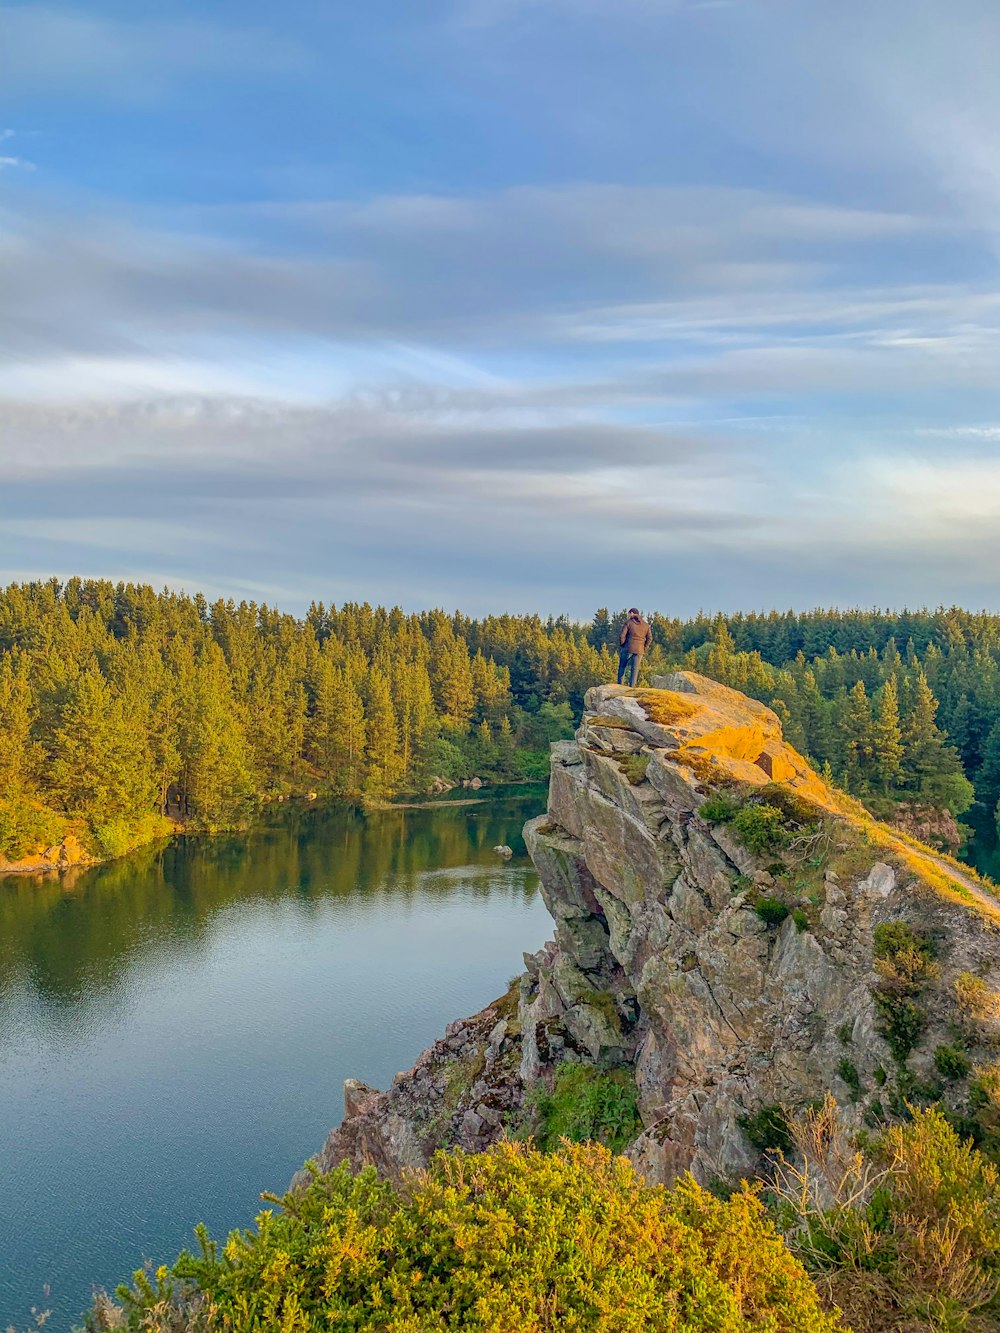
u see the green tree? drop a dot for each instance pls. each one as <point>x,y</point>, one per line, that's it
<point>217,779</point>
<point>383,752</point>
<point>859,737</point>
<point>887,741</point>
<point>100,766</point>
<point>16,715</point>
<point>336,731</point>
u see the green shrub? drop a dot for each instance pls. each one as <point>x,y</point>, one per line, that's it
<point>901,1022</point>
<point>848,1071</point>
<point>760,828</point>
<point>718,810</point>
<point>532,765</point>
<point>801,918</point>
<point>117,837</point>
<point>767,1129</point>
<point>508,1241</point>
<point>975,999</point>
<point>795,809</point>
<point>588,1104</point>
<point>951,1062</point>
<point>26,827</point>
<point>771,910</point>
<point>904,960</point>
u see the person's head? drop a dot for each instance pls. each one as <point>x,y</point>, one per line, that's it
<point>634,611</point>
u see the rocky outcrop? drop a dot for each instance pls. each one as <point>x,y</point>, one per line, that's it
<point>935,827</point>
<point>68,854</point>
<point>717,913</point>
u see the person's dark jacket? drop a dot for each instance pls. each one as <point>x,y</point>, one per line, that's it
<point>636,635</point>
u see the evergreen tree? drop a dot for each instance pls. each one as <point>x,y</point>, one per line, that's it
<point>859,737</point>
<point>887,741</point>
<point>925,755</point>
<point>383,753</point>
<point>16,713</point>
<point>336,731</point>
<point>216,773</point>
<point>100,766</point>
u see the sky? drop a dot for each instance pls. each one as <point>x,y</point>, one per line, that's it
<point>504,304</point>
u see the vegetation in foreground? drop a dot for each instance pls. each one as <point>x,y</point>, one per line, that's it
<point>509,1241</point>
<point>897,1234</point>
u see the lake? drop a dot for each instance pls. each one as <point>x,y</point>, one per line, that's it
<point>176,1027</point>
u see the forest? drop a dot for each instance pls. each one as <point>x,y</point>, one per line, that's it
<point>124,711</point>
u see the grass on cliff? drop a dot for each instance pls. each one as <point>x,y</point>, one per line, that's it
<point>508,1241</point>
<point>586,1104</point>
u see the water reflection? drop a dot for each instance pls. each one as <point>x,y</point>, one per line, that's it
<point>73,934</point>
<point>175,1027</point>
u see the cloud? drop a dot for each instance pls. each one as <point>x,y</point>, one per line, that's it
<point>420,276</point>
<point>48,50</point>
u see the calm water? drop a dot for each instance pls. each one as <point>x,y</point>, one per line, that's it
<point>175,1028</point>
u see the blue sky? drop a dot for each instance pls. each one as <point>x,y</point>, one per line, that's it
<point>504,304</point>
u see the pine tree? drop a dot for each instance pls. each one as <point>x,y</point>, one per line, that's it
<point>601,631</point>
<point>887,741</point>
<point>100,766</point>
<point>16,750</point>
<point>924,750</point>
<point>384,759</point>
<point>505,748</point>
<point>216,775</point>
<point>336,731</point>
<point>858,732</point>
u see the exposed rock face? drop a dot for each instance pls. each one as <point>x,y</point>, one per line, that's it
<point>65,855</point>
<point>937,828</point>
<point>665,959</point>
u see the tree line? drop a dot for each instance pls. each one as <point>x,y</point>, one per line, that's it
<point>120,705</point>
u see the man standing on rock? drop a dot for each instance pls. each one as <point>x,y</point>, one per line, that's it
<point>636,637</point>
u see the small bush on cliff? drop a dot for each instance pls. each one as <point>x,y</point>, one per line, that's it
<point>634,767</point>
<point>951,1062</point>
<point>588,1104</point>
<point>772,911</point>
<point>767,1129</point>
<point>904,960</point>
<point>508,1241</point>
<point>760,828</point>
<point>718,810</point>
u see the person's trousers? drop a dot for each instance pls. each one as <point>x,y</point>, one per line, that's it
<point>628,662</point>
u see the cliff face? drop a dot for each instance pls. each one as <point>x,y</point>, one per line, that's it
<point>727,927</point>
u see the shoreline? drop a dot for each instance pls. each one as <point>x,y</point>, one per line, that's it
<point>70,856</point>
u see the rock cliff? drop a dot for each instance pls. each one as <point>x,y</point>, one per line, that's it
<point>736,933</point>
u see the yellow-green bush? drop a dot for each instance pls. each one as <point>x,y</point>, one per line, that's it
<point>508,1241</point>
<point>117,837</point>
<point>903,1237</point>
<point>26,826</point>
